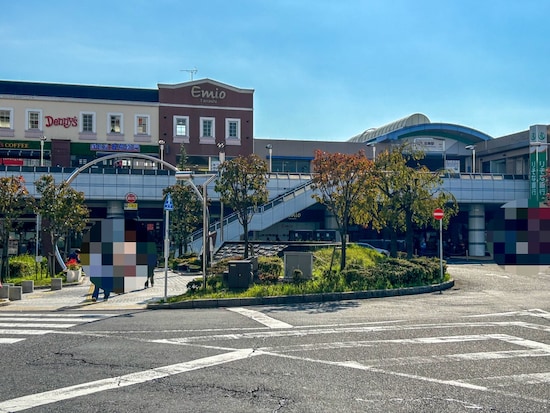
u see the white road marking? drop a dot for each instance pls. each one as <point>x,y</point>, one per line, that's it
<point>83,316</point>
<point>537,378</point>
<point>10,340</point>
<point>45,320</point>
<point>301,332</point>
<point>535,312</point>
<point>26,332</point>
<point>18,324</point>
<point>41,399</point>
<point>36,325</point>
<point>524,379</point>
<point>260,317</point>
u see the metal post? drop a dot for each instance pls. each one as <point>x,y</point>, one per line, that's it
<point>204,233</point>
<point>42,140</point>
<point>37,242</point>
<point>441,248</point>
<point>221,157</point>
<point>161,145</point>
<point>473,149</point>
<point>269,148</point>
<point>166,253</point>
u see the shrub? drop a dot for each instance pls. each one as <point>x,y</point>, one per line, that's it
<point>270,266</point>
<point>194,285</point>
<point>188,262</point>
<point>22,266</point>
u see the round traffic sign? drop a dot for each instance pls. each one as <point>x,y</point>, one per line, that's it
<point>438,213</point>
<point>131,197</point>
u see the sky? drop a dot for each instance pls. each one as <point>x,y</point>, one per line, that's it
<point>320,70</point>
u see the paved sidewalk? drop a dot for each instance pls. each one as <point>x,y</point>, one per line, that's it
<point>78,297</point>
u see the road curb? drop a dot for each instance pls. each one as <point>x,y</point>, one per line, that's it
<point>299,299</point>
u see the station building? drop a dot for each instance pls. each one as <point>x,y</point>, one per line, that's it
<point>55,128</point>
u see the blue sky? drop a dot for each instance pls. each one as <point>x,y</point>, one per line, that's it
<point>321,70</point>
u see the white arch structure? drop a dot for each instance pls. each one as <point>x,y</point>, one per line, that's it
<point>73,175</point>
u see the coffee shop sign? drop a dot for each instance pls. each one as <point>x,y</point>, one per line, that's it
<point>208,96</point>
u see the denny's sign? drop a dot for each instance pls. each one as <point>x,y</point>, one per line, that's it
<point>66,122</point>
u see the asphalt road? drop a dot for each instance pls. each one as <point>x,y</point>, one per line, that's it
<point>483,346</point>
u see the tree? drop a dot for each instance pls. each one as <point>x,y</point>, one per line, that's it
<point>186,214</point>
<point>62,209</point>
<point>242,186</point>
<point>344,185</point>
<point>408,194</point>
<point>15,201</point>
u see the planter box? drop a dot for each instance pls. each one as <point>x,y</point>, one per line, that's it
<point>73,276</point>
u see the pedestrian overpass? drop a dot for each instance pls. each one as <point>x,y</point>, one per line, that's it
<point>288,193</point>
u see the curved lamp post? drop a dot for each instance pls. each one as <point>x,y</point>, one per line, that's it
<point>473,149</point>
<point>187,176</point>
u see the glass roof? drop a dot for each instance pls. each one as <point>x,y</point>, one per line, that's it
<point>411,120</point>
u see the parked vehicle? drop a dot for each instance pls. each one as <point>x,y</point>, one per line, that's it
<point>367,245</point>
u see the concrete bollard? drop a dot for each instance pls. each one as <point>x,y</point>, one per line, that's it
<point>27,286</point>
<point>15,293</point>
<point>57,283</point>
<point>4,291</point>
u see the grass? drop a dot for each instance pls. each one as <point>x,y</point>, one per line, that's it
<point>366,270</point>
<point>24,268</point>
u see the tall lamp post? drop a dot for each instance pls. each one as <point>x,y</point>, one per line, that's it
<point>161,146</point>
<point>42,141</point>
<point>187,176</point>
<point>373,146</point>
<point>221,157</point>
<point>269,148</point>
<point>473,149</point>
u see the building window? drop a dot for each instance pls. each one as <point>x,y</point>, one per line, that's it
<point>6,118</point>
<point>87,122</point>
<point>181,126</point>
<point>207,128</point>
<point>233,129</point>
<point>142,125</point>
<point>34,119</point>
<point>115,123</point>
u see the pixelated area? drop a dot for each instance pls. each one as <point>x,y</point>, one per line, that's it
<point>118,255</point>
<point>522,237</point>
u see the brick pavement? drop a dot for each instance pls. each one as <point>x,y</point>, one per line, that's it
<point>78,297</point>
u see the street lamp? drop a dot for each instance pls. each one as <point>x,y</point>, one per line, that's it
<point>161,146</point>
<point>373,146</point>
<point>187,176</point>
<point>269,148</point>
<point>473,149</point>
<point>221,157</point>
<point>42,140</point>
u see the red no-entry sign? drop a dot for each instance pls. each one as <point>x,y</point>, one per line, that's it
<point>438,214</point>
<point>131,197</point>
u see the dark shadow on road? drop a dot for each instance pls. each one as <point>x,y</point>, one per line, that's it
<point>315,308</point>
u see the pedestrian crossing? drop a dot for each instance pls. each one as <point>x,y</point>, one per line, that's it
<point>17,327</point>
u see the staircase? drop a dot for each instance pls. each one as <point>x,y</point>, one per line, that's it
<point>268,214</point>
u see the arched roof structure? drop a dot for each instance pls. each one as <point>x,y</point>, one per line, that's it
<point>369,134</point>
<point>417,125</point>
